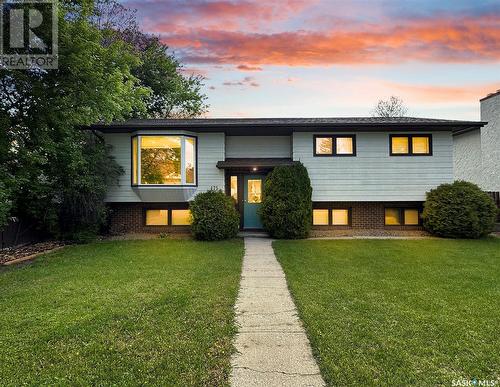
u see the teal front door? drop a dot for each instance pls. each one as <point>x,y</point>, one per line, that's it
<point>252,198</point>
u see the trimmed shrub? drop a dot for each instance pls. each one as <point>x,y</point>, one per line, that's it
<point>286,204</point>
<point>214,216</point>
<point>459,210</point>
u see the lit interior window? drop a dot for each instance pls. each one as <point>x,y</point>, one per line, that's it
<point>134,160</point>
<point>340,217</point>
<point>344,146</point>
<point>420,145</point>
<point>190,150</point>
<point>411,216</point>
<point>324,146</point>
<point>320,217</point>
<point>254,191</point>
<point>399,145</point>
<point>392,217</point>
<point>156,217</point>
<point>181,217</point>
<point>234,187</point>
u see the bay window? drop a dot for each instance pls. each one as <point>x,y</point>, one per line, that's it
<point>168,160</point>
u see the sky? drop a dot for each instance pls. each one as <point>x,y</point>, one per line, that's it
<point>326,58</point>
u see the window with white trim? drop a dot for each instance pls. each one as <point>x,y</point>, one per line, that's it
<point>167,160</point>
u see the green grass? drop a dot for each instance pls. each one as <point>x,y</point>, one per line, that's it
<point>156,312</point>
<point>398,312</point>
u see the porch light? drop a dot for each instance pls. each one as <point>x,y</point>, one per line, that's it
<point>254,169</point>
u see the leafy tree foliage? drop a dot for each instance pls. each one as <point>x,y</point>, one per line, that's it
<point>459,210</point>
<point>52,172</point>
<point>214,216</point>
<point>392,107</point>
<point>286,210</point>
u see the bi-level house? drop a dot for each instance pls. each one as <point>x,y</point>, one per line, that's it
<point>366,173</point>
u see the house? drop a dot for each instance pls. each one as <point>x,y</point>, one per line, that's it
<point>366,173</point>
<point>477,152</point>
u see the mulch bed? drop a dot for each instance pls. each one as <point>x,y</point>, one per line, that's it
<point>14,253</point>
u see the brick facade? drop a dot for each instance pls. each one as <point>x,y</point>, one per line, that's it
<point>130,217</point>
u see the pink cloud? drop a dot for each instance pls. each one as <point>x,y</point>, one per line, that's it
<point>244,67</point>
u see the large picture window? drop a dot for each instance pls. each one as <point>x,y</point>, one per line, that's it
<point>164,160</point>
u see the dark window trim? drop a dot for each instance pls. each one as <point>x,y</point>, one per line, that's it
<point>139,185</point>
<point>402,220</point>
<point>334,145</point>
<point>330,208</point>
<point>410,144</point>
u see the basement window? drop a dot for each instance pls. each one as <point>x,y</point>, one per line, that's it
<point>402,216</point>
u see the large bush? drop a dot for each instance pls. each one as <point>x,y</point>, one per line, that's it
<point>459,210</point>
<point>286,205</point>
<point>214,216</point>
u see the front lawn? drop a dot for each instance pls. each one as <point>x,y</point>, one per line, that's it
<point>398,312</point>
<point>157,312</point>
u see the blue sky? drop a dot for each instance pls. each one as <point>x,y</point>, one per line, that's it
<point>295,58</point>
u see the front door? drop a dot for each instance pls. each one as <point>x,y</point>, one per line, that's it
<point>252,198</point>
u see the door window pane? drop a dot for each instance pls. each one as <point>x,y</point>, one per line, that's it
<point>344,146</point>
<point>411,216</point>
<point>392,217</point>
<point>324,146</point>
<point>181,217</point>
<point>340,217</point>
<point>234,187</point>
<point>189,156</point>
<point>399,145</point>
<point>254,189</point>
<point>320,217</point>
<point>420,145</point>
<point>156,217</point>
<point>161,160</point>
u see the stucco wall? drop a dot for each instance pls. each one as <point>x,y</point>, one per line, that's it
<point>374,175</point>
<point>467,157</point>
<point>490,143</point>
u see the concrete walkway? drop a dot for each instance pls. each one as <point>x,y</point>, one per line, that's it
<point>272,347</point>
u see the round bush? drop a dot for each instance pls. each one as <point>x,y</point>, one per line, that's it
<point>214,216</point>
<point>286,204</point>
<point>459,210</point>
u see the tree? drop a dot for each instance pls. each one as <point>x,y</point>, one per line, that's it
<point>392,107</point>
<point>52,173</point>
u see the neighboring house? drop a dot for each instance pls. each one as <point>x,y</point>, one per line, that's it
<point>366,173</point>
<point>477,152</point>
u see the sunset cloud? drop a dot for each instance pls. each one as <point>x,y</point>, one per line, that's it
<point>247,81</point>
<point>248,68</point>
<point>464,40</point>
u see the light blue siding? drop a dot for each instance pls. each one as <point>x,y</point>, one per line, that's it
<point>373,175</point>
<point>258,146</point>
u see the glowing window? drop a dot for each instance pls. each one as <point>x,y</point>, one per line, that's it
<point>420,145</point>
<point>156,217</point>
<point>320,217</point>
<point>340,217</point>
<point>344,146</point>
<point>254,189</point>
<point>324,146</point>
<point>411,216</point>
<point>181,217</point>
<point>234,187</point>
<point>392,216</point>
<point>400,145</point>
<point>163,160</point>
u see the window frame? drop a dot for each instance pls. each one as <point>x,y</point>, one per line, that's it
<point>330,209</point>
<point>334,145</point>
<point>402,218</point>
<point>410,144</point>
<point>169,207</point>
<point>183,172</point>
